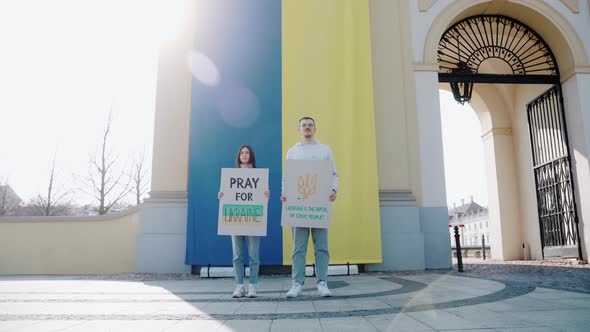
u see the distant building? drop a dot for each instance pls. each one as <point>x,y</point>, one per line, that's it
<point>9,201</point>
<point>473,222</point>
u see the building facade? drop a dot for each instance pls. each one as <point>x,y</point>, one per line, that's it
<point>472,221</point>
<point>537,160</point>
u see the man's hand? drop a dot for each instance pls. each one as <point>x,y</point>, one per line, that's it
<point>219,195</point>
<point>283,199</point>
<point>267,194</point>
<point>333,196</point>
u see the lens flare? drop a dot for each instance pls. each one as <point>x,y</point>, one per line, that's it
<point>204,69</point>
<point>239,107</point>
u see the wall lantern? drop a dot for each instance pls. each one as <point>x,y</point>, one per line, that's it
<point>462,90</point>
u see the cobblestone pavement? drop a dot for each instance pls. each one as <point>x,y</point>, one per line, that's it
<point>488,296</point>
<point>551,274</point>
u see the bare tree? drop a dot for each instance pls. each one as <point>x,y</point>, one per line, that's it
<point>9,200</point>
<point>139,180</point>
<point>54,202</point>
<point>4,204</point>
<point>105,183</point>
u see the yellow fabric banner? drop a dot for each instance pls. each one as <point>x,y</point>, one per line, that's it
<point>327,75</point>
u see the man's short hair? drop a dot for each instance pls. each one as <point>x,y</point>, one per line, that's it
<point>306,118</point>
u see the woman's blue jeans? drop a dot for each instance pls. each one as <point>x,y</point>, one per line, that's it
<point>238,246</point>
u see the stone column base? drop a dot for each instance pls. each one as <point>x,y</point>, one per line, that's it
<point>412,238</point>
<point>161,241</point>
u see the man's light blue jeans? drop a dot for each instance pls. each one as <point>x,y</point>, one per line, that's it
<point>238,246</point>
<point>320,246</point>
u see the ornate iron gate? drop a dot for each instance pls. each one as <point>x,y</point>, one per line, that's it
<point>556,204</point>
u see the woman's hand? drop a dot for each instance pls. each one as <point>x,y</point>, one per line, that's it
<point>267,194</point>
<point>283,199</point>
<point>219,195</point>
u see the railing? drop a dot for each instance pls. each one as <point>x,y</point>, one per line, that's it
<point>459,252</point>
<point>472,252</point>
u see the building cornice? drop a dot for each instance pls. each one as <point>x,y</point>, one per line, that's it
<point>396,198</point>
<point>105,217</point>
<point>572,5</point>
<point>426,67</point>
<point>425,5</point>
<point>569,73</point>
<point>497,132</point>
<point>166,198</point>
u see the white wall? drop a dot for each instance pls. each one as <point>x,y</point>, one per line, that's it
<point>430,140</point>
<point>567,33</point>
<point>576,93</point>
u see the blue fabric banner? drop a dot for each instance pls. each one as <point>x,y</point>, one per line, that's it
<point>236,99</point>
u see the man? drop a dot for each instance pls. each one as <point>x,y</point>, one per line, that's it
<point>310,149</point>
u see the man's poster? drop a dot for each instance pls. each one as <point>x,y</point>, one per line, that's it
<point>308,186</point>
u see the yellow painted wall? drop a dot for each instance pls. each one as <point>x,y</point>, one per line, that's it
<point>69,245</point>
<point>327,75</point>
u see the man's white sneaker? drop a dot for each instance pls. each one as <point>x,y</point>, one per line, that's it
<point>295,290</point>
<point>323,289</point>
<point>251,290</point>
<point>239,292</point>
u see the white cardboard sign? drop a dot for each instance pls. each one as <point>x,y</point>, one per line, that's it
<point>308,185</point>
<point>243,207</point>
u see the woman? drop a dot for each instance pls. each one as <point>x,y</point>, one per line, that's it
<point>245,159</point>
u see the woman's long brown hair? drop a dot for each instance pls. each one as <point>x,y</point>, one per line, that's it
<point>252,157</point>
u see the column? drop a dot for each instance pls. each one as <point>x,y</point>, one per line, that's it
<point>503,207</point>
<point>433,206</point>
<point>161,242</point>
<point>577,112</point>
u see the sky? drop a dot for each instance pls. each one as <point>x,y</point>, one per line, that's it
<point>463,152</point>
<point>66,64</point>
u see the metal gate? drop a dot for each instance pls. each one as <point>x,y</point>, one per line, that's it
<point>556,204</point>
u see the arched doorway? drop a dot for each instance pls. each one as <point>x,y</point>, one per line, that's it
<point>497,49</point>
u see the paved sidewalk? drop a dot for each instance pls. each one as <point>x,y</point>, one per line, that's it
<point>485,297</point>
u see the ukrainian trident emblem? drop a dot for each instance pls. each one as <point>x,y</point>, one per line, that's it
<point>307,185</point>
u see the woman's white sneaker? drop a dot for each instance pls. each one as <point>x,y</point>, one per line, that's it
<point>295,290</point>
<point>239,292</point>
<point>323,289</point>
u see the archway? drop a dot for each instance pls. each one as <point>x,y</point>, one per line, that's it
<point>497,49</point>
